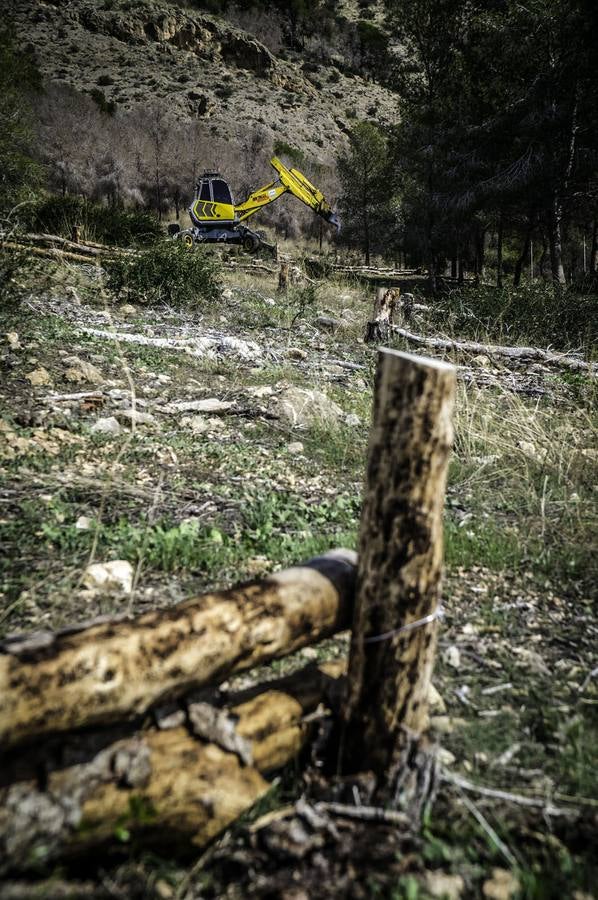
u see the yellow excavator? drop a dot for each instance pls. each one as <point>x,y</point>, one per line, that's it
<point>218,219</point>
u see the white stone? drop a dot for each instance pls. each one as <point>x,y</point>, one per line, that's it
<point>501,886</point>
<point>445,757</point>
<point>452,657</point>
<point>197,424</point>
<point>441,724</point>
<point>295,448</point>
<point>448,887</point>
<point>303,407</point>
<point>12,339</point>
<point>115,575</point>
<point>83,523</point>
<point>136,417</point>
<point>537,454</point>
<point>435,701</point>
<point>353,420</point>
<point>209,405</point>
<point>79,370</point>
<point>38,377</point>
<point>262,390</point>
<point>109,425</point>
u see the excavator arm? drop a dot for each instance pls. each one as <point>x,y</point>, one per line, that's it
<point>296,183</point>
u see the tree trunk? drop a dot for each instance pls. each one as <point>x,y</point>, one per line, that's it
<point>556,241</point>
<point>366,239</point>
<point>594,249</point>
<point>480,251</point>
<point>547,356</point>
<point>524,255</point>
<point>120,668</point>
<point>179,783</point>
<point>499,240</point>
<point>399,573</point>
<point>283,278</point>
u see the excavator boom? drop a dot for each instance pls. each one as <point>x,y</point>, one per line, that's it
<point>288,180</point>
<point>296,182</point>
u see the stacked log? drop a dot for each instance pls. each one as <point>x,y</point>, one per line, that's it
<point>165,783</point>
<point>103,737</point>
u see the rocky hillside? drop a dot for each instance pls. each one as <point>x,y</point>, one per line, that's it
<point>204,67</point>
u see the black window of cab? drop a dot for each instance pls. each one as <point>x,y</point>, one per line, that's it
<point>221,192</point>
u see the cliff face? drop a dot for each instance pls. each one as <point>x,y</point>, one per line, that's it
<point>200,67</point>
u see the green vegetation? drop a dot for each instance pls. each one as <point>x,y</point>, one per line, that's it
<point>167,273</point>
<point>105,224</point>
<point>105,106</point>
<point>531,314</point>
<point>282,148</point>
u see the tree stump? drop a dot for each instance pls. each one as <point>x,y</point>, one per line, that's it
<point>383,314</point>
<point>76,234</point>
<point>399,579</point>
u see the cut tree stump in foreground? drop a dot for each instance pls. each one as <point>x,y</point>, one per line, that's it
<point>117,669</point>
<point>161,786</point>
<point>399,577</point>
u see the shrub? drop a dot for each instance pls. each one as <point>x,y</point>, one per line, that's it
<point>297,156</point>
<point>105,224</point>
<point>105,106</point>
<point>168,273</point>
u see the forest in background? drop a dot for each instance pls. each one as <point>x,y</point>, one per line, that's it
<point>493,156</point>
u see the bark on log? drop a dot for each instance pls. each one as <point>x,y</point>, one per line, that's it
<point>119,668</point>
<point>399,575</point>
<point>531,353</point>
<point>163,786</point>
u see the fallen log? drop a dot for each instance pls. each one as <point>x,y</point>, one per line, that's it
<point>51,252</point>
<point>162,785</point>
<point>64,243</point>
<point>531,353</point>
<point>118,668</point>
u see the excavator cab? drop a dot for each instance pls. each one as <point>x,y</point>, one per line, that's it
<point>213,203</point>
